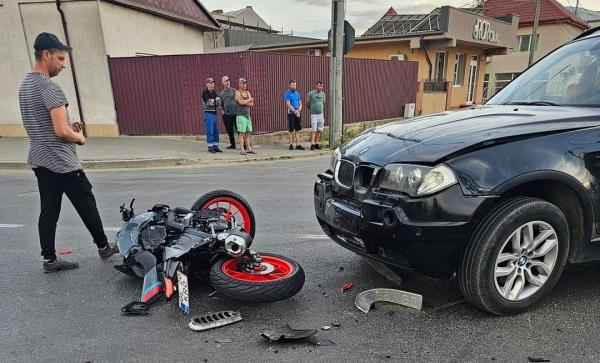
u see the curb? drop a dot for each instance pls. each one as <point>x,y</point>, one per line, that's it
<point>163,162</point>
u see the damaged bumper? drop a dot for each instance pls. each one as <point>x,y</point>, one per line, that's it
<point>421,234</point>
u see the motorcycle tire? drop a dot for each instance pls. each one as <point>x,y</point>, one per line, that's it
<point>229,202</point>
<point>286,279</point>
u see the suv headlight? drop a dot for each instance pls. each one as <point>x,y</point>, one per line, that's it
<point>416,180</point>
<point>337,155</point>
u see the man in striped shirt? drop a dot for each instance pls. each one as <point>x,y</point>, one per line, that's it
<point>53,152</point>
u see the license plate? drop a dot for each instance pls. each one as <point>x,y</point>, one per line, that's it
<point>184,294</point>
<point>343,217</point>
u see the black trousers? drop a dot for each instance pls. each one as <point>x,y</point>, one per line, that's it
<point>78,189</point>
<point>229,121</point>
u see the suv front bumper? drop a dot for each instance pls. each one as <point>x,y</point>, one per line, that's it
<point>425,235</point>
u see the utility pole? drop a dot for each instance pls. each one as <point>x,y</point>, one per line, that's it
<point>576,7</point>
<point>336,72</point>
<point>533,42</point>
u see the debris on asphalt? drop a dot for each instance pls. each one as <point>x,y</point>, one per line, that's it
<point>214,320</point>
<point>213,293</point>
<point>223,340</point>
<point>533,359</point>
<point>346,287</point>
<point>336,325</point>
<point>326,327</point>
<point>341,268</point>
<point>287,334</point>
<point>136,308</point>
<point>321,342</point>
<point>365,299</point>
<point>63,251</point>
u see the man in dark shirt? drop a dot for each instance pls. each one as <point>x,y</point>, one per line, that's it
<point>53,141</point>
<point>229,107</point>
<point>211,127</point>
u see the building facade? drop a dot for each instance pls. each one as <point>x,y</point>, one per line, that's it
<point>556,26</point>
<point>452,47</point>
<point>97,30</point>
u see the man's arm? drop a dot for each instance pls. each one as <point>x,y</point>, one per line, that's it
<point>239,99</point>
<point>62,129</point>
<point>250,100</point>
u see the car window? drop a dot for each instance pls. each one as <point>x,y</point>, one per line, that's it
<point>570,76</point>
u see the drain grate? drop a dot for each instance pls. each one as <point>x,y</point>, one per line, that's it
<point>214,320</point>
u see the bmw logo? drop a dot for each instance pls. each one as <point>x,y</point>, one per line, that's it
<point>522,261</point>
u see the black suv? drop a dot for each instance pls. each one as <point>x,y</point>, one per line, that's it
<point>501,195</point>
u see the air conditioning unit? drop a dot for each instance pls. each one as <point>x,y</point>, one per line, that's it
<point>314,52</point>
<point>409,110</point>
<point>488,59</point>
<point>398,57</point>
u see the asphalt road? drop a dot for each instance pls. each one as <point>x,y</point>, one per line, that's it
<point>75,316</point>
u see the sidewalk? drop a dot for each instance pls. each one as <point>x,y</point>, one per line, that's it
<point>143,151</point>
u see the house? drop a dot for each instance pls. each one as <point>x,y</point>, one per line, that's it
<point>451,45</point>
<point>244,27</point>
<point>557,25</point>
<point>591,17</point>
<point>97,29</point>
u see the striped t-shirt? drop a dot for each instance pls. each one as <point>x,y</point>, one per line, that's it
<point>37,96</point>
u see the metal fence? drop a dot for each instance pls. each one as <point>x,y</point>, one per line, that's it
<point>161,94</point>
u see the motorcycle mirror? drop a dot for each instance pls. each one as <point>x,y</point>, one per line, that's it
<point>131,204</point>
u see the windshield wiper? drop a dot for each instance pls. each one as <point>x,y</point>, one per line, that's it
<point>534,103</point>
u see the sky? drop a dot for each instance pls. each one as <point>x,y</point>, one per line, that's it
<point>312,18</point>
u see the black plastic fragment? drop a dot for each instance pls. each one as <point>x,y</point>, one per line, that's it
<point>136,308</point>
<point>287,334</point>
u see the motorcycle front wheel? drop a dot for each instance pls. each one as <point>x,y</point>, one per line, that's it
<point>282,279</point>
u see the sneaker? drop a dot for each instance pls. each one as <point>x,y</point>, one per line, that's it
<point>211,150</point>
<point>216,149</point>
<point>291,147</point>
<point>299,147</point>
<point>59,265</point>
<point>242,152</point>
<point>312,147</point>
<point>231,147</point>
<point>108,251</point>
<point>251,151</point>
<point>317,146</point>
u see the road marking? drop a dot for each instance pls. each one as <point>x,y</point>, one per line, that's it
<point>112,229</point>
<point>10,225</point>
<point>314,236</point>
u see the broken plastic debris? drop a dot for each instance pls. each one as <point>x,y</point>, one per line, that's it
<point>365,299</point>
<point>326,327</point>
<point>320,342</point>
<point>223,340</point>
<point>213,293</point>
<point>533,359</point>
<point>346,287</point>
<point>287,333</point>
<point>63,251</point>
<point>214,320</point>
<point>136,308</point>
<point>336,325</point>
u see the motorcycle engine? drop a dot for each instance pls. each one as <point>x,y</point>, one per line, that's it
<point>153,236</point>
<point>218,226</point>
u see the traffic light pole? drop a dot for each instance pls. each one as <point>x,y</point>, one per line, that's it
<point>336,72</point>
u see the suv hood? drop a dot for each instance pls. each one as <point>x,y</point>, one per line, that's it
<point>433,138</point>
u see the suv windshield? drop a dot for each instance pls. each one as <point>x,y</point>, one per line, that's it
<point>570,76</point>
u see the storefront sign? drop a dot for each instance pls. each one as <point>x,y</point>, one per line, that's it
<point>482,31</point>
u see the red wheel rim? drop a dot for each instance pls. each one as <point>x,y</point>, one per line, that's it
<point>282,269</point>
<point>232,208</point>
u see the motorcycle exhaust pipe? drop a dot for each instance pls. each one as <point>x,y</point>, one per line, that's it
<point>235,245</point>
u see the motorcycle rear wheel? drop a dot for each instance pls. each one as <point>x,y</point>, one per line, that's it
<point>232,205</point>
<point>284,280</point>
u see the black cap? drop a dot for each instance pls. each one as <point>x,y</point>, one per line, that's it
<point>45,41</point>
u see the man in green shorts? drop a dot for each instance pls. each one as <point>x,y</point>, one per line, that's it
<point>243,121</point>
<point>316,101</point>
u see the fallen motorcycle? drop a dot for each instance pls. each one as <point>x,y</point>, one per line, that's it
<point>166,245</point>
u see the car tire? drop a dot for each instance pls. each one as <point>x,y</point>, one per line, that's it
<point>494,276</point>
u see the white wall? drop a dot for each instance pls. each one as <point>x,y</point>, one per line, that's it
<point>127,32</point>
